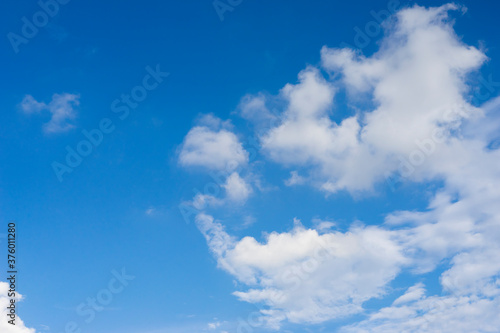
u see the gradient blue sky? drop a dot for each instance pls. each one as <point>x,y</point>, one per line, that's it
<point>119,208</point>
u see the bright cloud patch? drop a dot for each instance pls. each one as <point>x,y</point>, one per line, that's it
<point>448,314</point>
<point>416,81</point>
<point>303,276</point>
<point>237,188</point>
<point>213,148</point>
<point>421,127</point>
<point>61,108</point>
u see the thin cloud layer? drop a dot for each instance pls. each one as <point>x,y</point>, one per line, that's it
<point>237,189</point>
<point>61,108</point>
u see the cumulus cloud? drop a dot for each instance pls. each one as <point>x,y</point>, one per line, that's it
<point>254,108</point>
<point>417,85</point>
<point>61,108</point>
<point>5,327</point>
<point>213,147</point>
<point>303,276</point>
<point>237,189</point>
<point>421,126</point>
<point>306,132</point>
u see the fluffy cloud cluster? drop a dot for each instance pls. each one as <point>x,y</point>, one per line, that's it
<point>416,83</point>
<point>5,327</point>
<point>61,108</point>
<point>418,124</point>
<point>213,146</point>
<point>304,276</point>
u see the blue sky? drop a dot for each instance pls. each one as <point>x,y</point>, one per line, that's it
<point>305,140</point>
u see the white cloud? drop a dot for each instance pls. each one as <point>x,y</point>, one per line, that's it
<point>302,276</point>
<point>412,294</point>
<point>417,83</point>
<point>446,314</point>
<point>29,105</point>
<point>254,109</point>
<point>62,109</point>
<point>203,201</point>
<point>322,225</point>
<point>305,133</point>
<point>237,189</point>
<point>218,240</point>
<point>214,325</point>
<point>5,327</point>
<point>213,148</point>
<point>248,221</point>
<point>295,179</point>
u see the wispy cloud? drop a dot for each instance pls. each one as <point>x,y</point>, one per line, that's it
<point>61,109</point>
